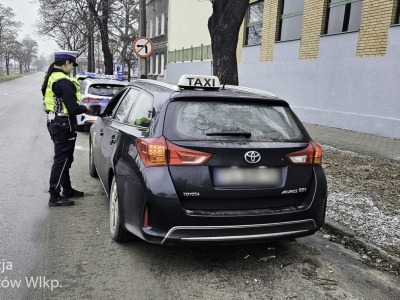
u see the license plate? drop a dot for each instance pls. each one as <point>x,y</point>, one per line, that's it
<point>262,176</point>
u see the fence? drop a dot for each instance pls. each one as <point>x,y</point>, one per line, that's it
<point>190,54</point>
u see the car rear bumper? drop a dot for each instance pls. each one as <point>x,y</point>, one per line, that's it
<point>239,233</point>
<point>169,223</point>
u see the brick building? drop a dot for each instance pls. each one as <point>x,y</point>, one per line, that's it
<point>157,31</point>
<point>335,61</point>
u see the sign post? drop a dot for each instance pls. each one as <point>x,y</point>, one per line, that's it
<point>143,47</point>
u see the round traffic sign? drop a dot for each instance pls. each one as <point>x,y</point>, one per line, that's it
<point>143,47</point>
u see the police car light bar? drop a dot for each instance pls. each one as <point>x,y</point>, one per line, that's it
<point>199,81</point>
<point>103,76</point>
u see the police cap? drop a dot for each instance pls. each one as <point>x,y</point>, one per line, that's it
<point>70,55</point>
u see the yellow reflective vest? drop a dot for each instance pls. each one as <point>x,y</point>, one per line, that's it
<point>49,96</point>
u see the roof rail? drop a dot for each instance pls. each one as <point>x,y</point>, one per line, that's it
<point>159,83</point>
<point>250,90</point>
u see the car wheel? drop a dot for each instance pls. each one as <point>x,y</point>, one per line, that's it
<point>118,232</point>
<point>79,128</point>
<point>92,166</point>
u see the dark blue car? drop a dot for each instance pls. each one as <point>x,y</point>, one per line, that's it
<point>197,163</point>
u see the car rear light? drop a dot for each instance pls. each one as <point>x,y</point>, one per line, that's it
<point>152,151</point>
<point>159,152</point>
<point>312,155</point>
<point>90,100</point>
<point>183,156</point>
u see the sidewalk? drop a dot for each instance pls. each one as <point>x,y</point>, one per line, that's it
<point>363,143</point>
<point>372,145</point>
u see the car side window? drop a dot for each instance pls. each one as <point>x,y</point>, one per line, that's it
<point>141,112</point>
<point>125,105</point>
<point>114,102</point>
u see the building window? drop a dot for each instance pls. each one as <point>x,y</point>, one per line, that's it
<point>254,23</point>
<point>397,15</point>
<point>157,26</point>
<point>150,33</point>
<point>162,64</point>
<point>163,23</point>
<point>343,15</point>
<point>291,20</point>
<point>157,64</point>
<point>151,67</point>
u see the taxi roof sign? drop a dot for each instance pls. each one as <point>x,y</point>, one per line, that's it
<point>199,81</point>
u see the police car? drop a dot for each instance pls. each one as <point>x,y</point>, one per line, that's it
<point>96,90</point>
<point>201,163</point>
<point>80,77</point>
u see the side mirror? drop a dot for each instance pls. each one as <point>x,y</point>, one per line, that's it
<point>94,110</point>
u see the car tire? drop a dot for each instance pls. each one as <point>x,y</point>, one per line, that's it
<point>92,166</point>
<point>117,230</point>
<point>80,128</point>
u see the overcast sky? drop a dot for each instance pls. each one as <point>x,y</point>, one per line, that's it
<point>26,13</point>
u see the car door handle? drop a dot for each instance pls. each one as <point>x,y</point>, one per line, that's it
<point>101,132</point>
<point>112,140</point>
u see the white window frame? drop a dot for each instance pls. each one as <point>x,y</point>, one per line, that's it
<point>150,33</point>
<point>157,64</point>
<point>162,23</point>
<point>162,61</point>
<point>157,26</point>
<point>151,67</point>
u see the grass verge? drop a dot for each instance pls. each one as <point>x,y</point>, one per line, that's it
<point>4,78</point>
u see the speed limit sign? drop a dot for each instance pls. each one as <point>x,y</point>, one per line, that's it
<point>143,47</point>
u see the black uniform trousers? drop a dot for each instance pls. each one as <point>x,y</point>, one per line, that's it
<point>62,133</point>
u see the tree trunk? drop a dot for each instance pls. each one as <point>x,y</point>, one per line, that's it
<point>7,64</point>
<point>224,26</point>
<point>102,23</point>
<point>128,65</point>
<point>90,50</point>
<point>108,59</point>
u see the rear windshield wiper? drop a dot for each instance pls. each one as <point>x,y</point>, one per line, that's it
<point>230,133</point>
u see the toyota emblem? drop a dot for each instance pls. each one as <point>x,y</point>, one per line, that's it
<point>252,157</point>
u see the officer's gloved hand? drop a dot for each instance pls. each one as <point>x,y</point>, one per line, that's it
<point>93,110</point>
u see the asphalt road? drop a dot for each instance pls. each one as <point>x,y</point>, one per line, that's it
<point>66,253</point>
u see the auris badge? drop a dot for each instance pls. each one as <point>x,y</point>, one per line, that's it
<point>252,157</point>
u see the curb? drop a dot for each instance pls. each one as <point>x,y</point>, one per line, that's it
<point>338,228</point>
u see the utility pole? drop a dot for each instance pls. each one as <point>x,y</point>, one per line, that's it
<point>142,27</point>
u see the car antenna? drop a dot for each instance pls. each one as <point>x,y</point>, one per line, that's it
<point>226,77</point>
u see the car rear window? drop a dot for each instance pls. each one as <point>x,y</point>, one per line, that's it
<point>193,120</point>
<point>107,90</point>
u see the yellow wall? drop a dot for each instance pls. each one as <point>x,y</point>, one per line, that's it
<point>187,23</point>
<point>377,16</point>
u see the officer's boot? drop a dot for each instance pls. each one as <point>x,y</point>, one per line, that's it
<point>71,193</point>
<point>57,200</point>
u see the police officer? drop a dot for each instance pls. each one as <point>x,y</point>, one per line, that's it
<point>61,95</point>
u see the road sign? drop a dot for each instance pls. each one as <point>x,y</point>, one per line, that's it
<point>143,47</point>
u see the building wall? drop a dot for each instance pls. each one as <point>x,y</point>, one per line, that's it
<point>155,8</point>
<point>270,25</point>
<point>375,23</point>
<point>345,80</point>
<point>187,24</point>
<point>176,70</point>
<point>338,89</point>
<point>312,28</point>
